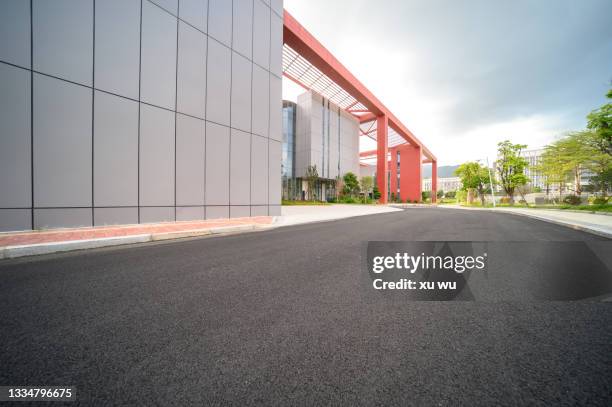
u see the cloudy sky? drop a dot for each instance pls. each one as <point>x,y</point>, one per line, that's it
<point>463,75</point>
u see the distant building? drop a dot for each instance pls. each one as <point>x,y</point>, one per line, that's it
<point>536,179</point>
<point>534,157</point>
<point>366,170</point>
<point>316,132</point>
<point>446,184</point>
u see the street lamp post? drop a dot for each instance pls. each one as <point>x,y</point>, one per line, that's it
<point>490,182</point>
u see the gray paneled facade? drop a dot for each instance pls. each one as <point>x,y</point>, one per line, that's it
<point>326,136</point>
<point>136,111</point>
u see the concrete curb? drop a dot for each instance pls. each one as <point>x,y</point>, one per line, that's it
<point>11,252</point>
<point>534,216</point>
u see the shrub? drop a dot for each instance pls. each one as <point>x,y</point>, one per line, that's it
<point>347,199</point>
<point>504,200</point>
<point>523,202</point>
<point>572,200</point>
<point>461,195</point>
<point>450,194</point>
<point>376,192</point>
<point>600,200</point>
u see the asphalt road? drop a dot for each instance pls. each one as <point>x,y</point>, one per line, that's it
<point>283,317</point>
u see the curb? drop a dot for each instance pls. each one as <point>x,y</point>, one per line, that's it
<point>11,252</point>
<point>533,216</point>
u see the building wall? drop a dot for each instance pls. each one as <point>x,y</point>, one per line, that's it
<point>326,136</point>
<point>367,171</point>
<point>444,184</point>
<point>127,111</point>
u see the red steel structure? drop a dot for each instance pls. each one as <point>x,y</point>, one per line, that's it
<point>308,63</point>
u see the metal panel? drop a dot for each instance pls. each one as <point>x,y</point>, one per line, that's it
<point>156,156</point>
<point>63,39</point>
<point>115,216</point>
<point>241,93</point>
<point>190,133</point>
<point>240,211</point>
<point>62,143</point>
<point>15,32</point>
<point>191,79</point>
<point>276,108</point>
<point>261,101</point>
<point>240,169</point>
<point>219,83</point>
<point>261,34</point>
<point>62,218</point>
<point>217,212</point>
<point>170,6</point>
<point>274,172</point>
<point>195,12</point>
<point>217,164</point>
<point>118,46</point>
<point>276,45</point>
<point>277,6</point>
<point>259,210</point>
<point>158,50</point>
<point>115,151</point>
<point>15,138</point>
<point>243,27</point>
<point>189,213</point>
<point>220,21</point>
<point>12,220</point>
<point>157,214</point>
<point>259,171</point>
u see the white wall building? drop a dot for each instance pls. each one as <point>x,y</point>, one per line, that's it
<point>446,184</point>
<point>326,136</point>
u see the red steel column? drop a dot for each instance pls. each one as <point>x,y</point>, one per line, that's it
<point>393,171</point>
<point>434,181</point>
<point>410,170</point>
<point>382,123</point>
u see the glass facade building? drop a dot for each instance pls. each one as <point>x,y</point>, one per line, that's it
<point>317,133</point>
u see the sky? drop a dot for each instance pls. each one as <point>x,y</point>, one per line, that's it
<point>464,75</point>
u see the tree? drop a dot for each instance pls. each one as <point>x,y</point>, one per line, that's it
<point>551,169</point>
<point>366,184</point>
<point>312,175</point>
<point>376,192</point>
<point>339,187</point>
<point>351,184</point>
<point>600,121</point>
<point>440,194</point>
<point>597,159</point>
<point>511,167</point>
<point>474,176</point>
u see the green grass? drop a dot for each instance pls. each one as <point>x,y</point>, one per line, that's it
<point>347,200</point>
<point>295,203</point>
<point>588,208</point>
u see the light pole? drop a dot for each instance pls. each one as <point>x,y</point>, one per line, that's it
<point>490,182</point>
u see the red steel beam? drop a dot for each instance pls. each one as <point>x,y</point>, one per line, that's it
<point>305,44</point>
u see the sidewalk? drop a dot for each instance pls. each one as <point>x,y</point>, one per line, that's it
<point>599,224</point>
<point>20,244</point>
<point>299,214</point>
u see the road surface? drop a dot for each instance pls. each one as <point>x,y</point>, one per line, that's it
<point>282,317</point>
